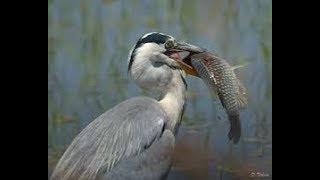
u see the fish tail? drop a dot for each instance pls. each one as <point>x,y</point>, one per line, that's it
<point>235,129</point>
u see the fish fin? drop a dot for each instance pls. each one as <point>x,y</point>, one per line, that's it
<point>239,66</point>
<point>241,98</point>
<point>240,75</point>
<point>242,102</point>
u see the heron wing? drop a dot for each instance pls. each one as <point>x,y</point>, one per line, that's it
<point>153,163</point>
<point>122,132</point>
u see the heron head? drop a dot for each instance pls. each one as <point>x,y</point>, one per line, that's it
<point>154,57</point>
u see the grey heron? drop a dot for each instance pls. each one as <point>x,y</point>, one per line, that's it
<point>136,138</point>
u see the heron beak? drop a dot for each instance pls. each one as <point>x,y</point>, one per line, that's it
<point>181,53</point>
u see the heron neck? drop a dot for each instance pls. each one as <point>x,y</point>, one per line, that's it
<point>173,100</point>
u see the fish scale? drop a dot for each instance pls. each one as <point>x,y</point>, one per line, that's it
<point>220,76</point>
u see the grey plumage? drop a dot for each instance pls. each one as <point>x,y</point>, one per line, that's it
<point>134,139</point>
<point>123,132</point>
<point>220,76</point>
<point>142,167</point>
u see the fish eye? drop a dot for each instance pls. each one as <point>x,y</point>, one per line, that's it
<point>169,44</point>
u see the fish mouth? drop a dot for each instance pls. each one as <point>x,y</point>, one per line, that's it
<point>181,53</point>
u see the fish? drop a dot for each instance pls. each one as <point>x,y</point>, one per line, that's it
<point>219,75</point>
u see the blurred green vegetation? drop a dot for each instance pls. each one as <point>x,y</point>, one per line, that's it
<point>88,45</point>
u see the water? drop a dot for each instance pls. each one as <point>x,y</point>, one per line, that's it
<point>88,45</point>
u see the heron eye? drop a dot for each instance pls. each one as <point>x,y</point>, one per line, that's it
<point>169,44</point>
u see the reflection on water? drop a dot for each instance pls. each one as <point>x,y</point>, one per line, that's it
<point>88,45</point>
